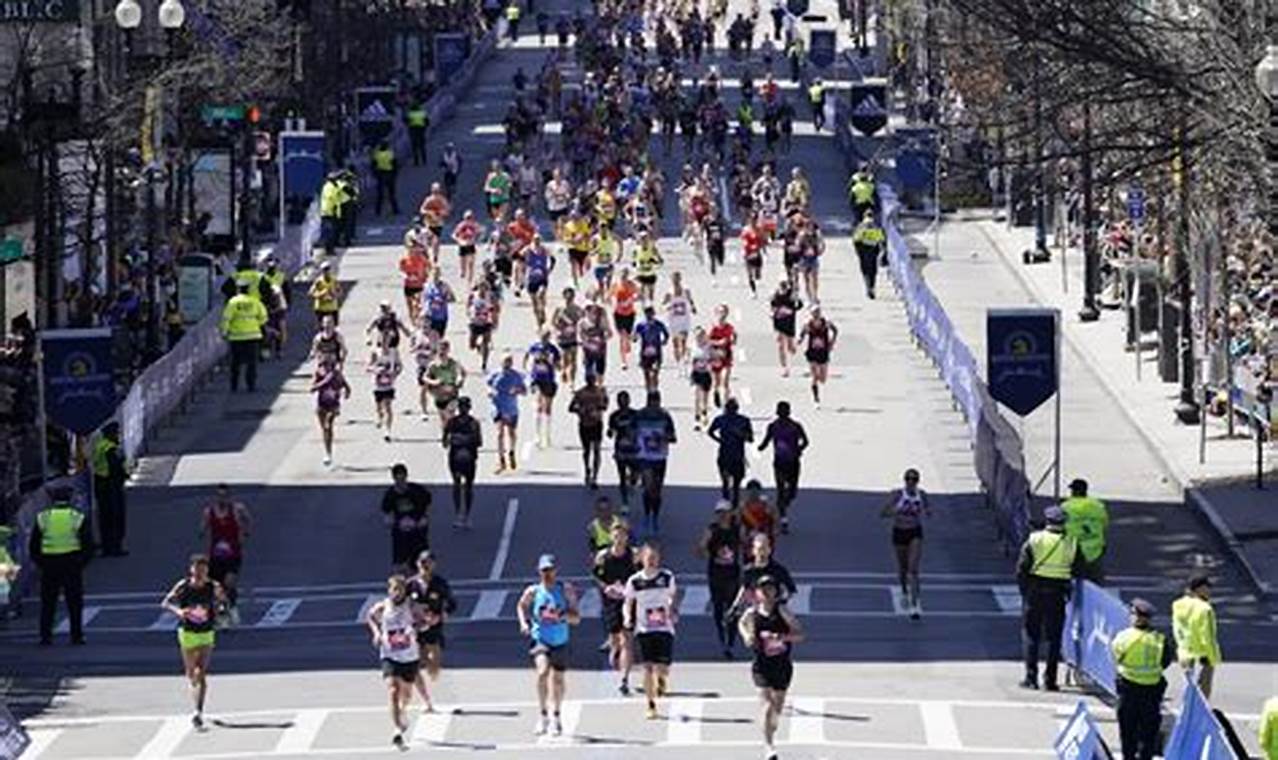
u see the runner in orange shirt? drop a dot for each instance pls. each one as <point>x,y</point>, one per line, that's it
<point>415,267</point>
<point>723,336</point>
<point>754,243</point>
<point>467,234</point>
<point>435,210</point>
<point>521,231</point>
<point>624,296</point>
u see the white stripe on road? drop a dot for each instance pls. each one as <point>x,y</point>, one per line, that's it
<point>570,717</point>
<point>807,720</point>
<point>525,451</point>
<point>1007,597</point>
<point>431,728</point>
<point>489,605</point>
<point>369,601</point>
<point>41,739</point>
<point>591,604</point>
<point>683,721</point>
<point>278,613</point>
<point>801,602</point>
<point>695,601</point>
<point>940,730</point>
<point>165,622</point>
<point>86,617</point>
<point>507,530</point>
<point>166,740</point>
<point>301,733</point>
<point>741,357</point>
<point>745,396</point>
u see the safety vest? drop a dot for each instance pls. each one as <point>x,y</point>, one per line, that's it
<point>417,118</point>
<point>331,199</point>
<point>868,235</point>
<point>276,279</point>
<point>1268,733</point>
<point>253,279</point>
<point>384,160</point>
<point>101,456</point>
<point>512,13</point>
<point>242,318</point>
<point>1086,519</point>
<point>1053,554</point>
<point>1194,627</point>
<point>60,529</point>
<point>600,534</point>
<point>862,191</point>
<point>816,93</point>
<point>1138,655</point>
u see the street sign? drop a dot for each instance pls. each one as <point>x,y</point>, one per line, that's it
<point>27,11</point>
<point>1023,349</point>
<point>10,251</point>
<point>821,47</point>
<point>869,107</point>
<point>223,113</point>
<point>1136,204</point>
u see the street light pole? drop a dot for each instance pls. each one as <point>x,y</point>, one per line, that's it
<point>1091,256</point>
<point>1187,409</point>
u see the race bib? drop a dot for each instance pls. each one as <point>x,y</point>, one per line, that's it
<point>222,548</point>
<point>773,643</point>
<point>197,614</point>
<point>407,524</point>
<point>678,309</point>
<point>398,639</point>
<point>649,351</point>
<point>726,555</point>
<point>657,617</point>
<point>550,614</point>
<point>818,342</point>
<point>614,591</point>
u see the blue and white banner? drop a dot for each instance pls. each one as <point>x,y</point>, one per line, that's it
<point>79,378</point>
<point>821,47</point>
<point>1093,618</point>
<point>451,51</point>
<point>302,170</point>
<point>1078,738</point>
<point>13,737</point>
<point>1023,356</point>
<point>1197,735</point>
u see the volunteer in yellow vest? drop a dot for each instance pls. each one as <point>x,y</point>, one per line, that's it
<point>1268,732</point>
<point>1087,520</point>
<point>109,476</point>
<point>1049,560</point>
<point>868,240</point>
<point>816,98</point>
<point>247,273</point>
<point>61,544</point>
<point>1141,654</point>
<point>1194,626</point>
<point>326,294</point>
<point>417,120</point>
<point>242,321</point>
<point>332,196</point>
<point>513,13</point>
<point>861,192</point>
<point>599,531</point>
<point>794,50</point>
<point>385,169</point>
<point>350,205</point>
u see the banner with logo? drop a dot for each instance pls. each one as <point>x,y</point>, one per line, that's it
<point>868,108</point>
<point>212,182</point>
<point>1197,735</point>
<point>1022,354</point>
<point>1079,738</point>
<point>821,47</point>
<point>916,159</point>
<point>1092,618</point>
<point>376,109</point>
<point>302,170</point>
<point>48,11</point>
<point>79,378</point>
<point>451,52</point>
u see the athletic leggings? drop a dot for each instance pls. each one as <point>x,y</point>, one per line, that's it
<point>722,593</point>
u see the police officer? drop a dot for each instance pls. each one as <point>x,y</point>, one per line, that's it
<point>242,321</point>
<point>868,239</point>
<point>417,120</point>
<point>1140,656</point>
<point>816,98</point>
<point>513,13</point>
<point>1048,560</point>
<point>861,192</point>
<point>1194,626</point>
<point>1087,520</point>
<point>385,169</point>
<point>61,544</point>
<point>108,490</point>
<point>332,196</point>
<point>350,205</point>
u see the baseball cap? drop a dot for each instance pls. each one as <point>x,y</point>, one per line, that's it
<point>1198,579</point>
<point>1054,516</point>
<point>546,562</point>
<point>1142,608</point>
<point>723,505</point>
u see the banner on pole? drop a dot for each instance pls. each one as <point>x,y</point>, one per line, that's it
<point>376,109</point>
<point>869,107</point>
<point>302,169</point>
<point>79,378</point>
<point>1078,738</point>
<point>1093,618</point>
<point>451,51</point>
<point>1023,347</point>
<point>1197,735</point>
<point>821,47</point>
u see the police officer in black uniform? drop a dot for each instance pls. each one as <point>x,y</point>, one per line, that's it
<point>61,545</point>
<point>1049,561</point>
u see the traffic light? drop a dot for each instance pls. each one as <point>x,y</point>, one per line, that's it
<point>253,115</point>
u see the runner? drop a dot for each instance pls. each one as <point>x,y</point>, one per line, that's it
<point>432,594</point>
<point>558,197</point>
<point>505,386</point>
<point>654,432</point>
<point>467,234</point>
<point>651,611</point>
<point>624,295</point>
<point>226,522</point>
<point>907,506</point>
<point>589,403</point>
<point>607,251</point>
<point>329,385</point>
<point>653,336</point>
<point>496,191</point>
<point>700,377</point>
<point>679,310</point>
<point>821,335</point>
<point>754,244</point>
<point>434,212</point>
<point>393,622</point>
<point>723,337</point>
<point>595,335</point>
<point>415,267</point>
<point>546,609</point>
<point>385,369</point>
<point>406,509</point>
<point>757,515</point>
<point>789,441</point>
<point>785,305</point>
<point>521,233</point>
<point>540,262</point>
<point>436,298</point>
<point>326,294</point>
<point>605,206</point>
<point>451,162</point>
<point>811,248</point>
<point>442,379</point>
<point>384,330</point>
<point>625,447</point>
<point>575,234</point>
<point>482,309</point>
<point>544,356</point>
<point>462,438</point>
<point>766,194</point>
<point>719,547</point>
<point>566,321</point>
<point>195,601</point>
<point>648,263</point>
<point>716,235</point>
<point>770,629</point>
<point>732,431</point>
<point>614,565</point>
<point>792,247</point>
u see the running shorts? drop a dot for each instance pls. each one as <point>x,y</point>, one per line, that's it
<point>404,671</point>
<point>906,536</point>
<point>772,673</point>
<point>558,656</point>
<point>625,323</point>
<point>656,647</point>
<point>195,639</point>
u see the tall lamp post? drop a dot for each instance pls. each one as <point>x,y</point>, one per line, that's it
<point>1267,81</point>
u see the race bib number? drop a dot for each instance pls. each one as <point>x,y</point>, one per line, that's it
<point>407,524</point>
<point>614,591</point>
<point>773,643</point>
<point>222,548</point>
<point>678,309</point>
<point>551,614</point>
<point>398,639</point>
<point>649,351</point>
<point>818,342</point>
<point>657,617</point>
<point>652,444</point>
<point>197,614</point>
<point>726,555</point>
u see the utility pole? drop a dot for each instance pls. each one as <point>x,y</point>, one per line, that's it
<point>1091,256</point>
<point>1187,409</point>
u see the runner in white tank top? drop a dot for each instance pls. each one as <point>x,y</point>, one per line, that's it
<point>907,507</point>
<point>679,310</point>
<point>393,622</point>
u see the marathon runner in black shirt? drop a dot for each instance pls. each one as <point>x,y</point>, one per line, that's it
<point>463,439</point>
<point>613,567</point>
<point>431,593</point>
<point>621,428</point>
<point>770,629</point>
<point>720,547</point>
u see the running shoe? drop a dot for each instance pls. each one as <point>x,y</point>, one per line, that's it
<point>651,712</point>
<point>556,727</point>
<point>328,461</point>
<point>624,689</point>
<point>400,744</point>
<point>197,721</point>
<point>543,725</point>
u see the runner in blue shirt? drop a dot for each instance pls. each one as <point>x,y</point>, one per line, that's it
<point>546,609</point>
<point>539,263</point>
<point>653,336</point>
<point>436,298</point>
<point>545,358</point>
<point>505,386</point>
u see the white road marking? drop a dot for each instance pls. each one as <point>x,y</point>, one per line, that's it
<point>741,357</point>
<point>171,734</point>
<point>278,613</point>
<point>431,728</point>
<point>695,600</point>
<point>525,451</point>
<point>1007,597</point>
<point>41,739</point>
<point>807,720</point>
<point>744,396</point>
<point>939,727</point>
<point>899,607</point>
<point>489,605</point>
<point>369,601</point>
<point>298,737</point>
<point>86,617</point>
<point>591,604</point>
<point>570,717</point>
<point>165,622</point>
<point>801,602</point>
<point>507,530</point>
<point>683,721</point>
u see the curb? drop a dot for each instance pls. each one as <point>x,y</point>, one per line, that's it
<point>1194,499</point>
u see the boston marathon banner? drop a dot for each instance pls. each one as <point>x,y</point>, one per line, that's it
<point>79,378</point>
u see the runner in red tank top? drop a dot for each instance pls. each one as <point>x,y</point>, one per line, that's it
<point>226,523</point>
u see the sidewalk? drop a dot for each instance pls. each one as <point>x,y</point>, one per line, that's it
<point>1118,432</point>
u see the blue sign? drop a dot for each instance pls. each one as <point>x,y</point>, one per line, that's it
<point>451,50</point>
<point>1093,618</point>
<point>1136,204</point>
<point>916,159</point>
<point>821,47</point>
<point>13,737</point>
<point>869,107</point>
<point>1197,735</point>
<point>1078,738</point>
<point>302,169</point>
<point>1022,347</point>
<point>79,378</point>
<point>376,108</point>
